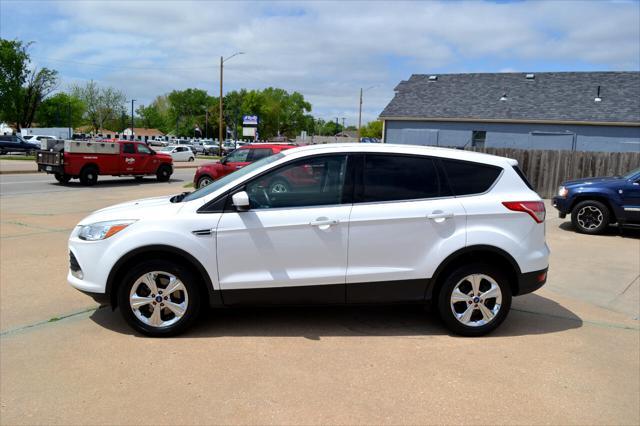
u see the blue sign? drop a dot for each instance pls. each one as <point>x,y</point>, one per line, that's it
<point>249,120</point>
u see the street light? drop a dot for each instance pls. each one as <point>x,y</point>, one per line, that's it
<point>360,111</point>
<point>132,101</point>
<point>222,61</point>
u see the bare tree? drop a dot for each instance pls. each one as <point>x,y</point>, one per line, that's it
<point>102,104</point>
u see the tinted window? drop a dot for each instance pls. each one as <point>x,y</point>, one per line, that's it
<point>470,178</point>
<point>389,178</point>
<point>308,182</point>
<point>129,148</point>
<point>258,153</point>
<point>238,156</point>
<point>523,177</point>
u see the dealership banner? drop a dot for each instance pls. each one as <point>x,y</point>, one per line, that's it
<point>249,120</point>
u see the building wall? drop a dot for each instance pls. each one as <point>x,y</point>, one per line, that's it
<point>523,136</point>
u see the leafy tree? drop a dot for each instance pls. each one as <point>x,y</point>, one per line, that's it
<point>373,129</point>
<point>102,104</point>
<point>187,109</point>
<point>22,90</point>
<point>56,110</point>
<point>156,115</point>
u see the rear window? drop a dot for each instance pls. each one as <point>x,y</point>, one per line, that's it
<point>391,178</point>
<point>468,178</point>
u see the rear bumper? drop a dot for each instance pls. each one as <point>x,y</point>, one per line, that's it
<point>49,168</point>
<point>531,281</point>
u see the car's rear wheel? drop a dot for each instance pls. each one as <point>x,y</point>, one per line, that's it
<point>590,217</point>
<point>191,159</point>
<point>474,300</point>
<point>163,173</point>
<point>159,298</point>
<point>204,181</point>
<point>89,176</point>
<point>62,178</point>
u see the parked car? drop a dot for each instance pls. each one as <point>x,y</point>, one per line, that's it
<point>595,203</point>
<point>38,139</point>
<point>86,160</point>
<point>359,224</point>
<point>15,143</point>
<point>211,148</point>
<point>179,153</point>
<point>239,158</point>
<point>197,147</point>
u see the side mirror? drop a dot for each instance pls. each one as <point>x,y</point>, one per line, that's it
<point>241,201</point>
<point>223,160</point>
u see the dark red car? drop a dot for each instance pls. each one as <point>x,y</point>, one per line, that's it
<point>237,159</point>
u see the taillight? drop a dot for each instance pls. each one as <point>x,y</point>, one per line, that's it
<point>535,209</point>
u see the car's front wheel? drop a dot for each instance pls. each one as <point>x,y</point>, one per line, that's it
<point>159,298</point>
<point>204,181</point>
<point>474,299</point>
<point>590,217</point>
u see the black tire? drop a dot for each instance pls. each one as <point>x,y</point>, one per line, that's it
<point>590,217</point>
<point>139,178</point>
<point>279,186</point>
<point>192,289</point>
<point>62,178</point>
<point>204,181</point>
<point>191,159</point>
<point>445,309</point>
<point>164,172</point>
<point>89,176</point>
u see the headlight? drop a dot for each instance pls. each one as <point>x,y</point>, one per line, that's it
<point>563,192</point>
<point>102,230</point>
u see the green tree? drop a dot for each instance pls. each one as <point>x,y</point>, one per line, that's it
<point>56,110</point>
<point>156,115</point>
<point>373,129</point>
<point>187,109</point>
<point>22,90</point>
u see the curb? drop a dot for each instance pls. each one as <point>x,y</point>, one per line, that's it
<point>24,172</point>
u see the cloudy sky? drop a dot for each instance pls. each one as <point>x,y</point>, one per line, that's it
<point>325,50</point>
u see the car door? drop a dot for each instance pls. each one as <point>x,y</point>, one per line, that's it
<point>180,153</point>
<point>630,195</point>
<point>129,158</point>
<point>402,224</point>
<point>144,158</point>
<point>236,160</point>
<point>288,247</point>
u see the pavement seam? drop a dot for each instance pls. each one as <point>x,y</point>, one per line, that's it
<point>49,321</point>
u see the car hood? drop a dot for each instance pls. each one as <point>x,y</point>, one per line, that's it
<point>591,181</point>
<point>164,156</point>
<point>137,209</point>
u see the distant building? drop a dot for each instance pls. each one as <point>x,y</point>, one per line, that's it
<point>582,111</point>
<point>142,133</point>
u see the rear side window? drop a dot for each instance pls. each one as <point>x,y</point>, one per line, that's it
<point>391,178</point>
<point>523,177</point>
<point>468,178</point>
<point>129,148</point>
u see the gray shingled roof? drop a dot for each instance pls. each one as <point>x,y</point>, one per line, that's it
<point>553,96</point>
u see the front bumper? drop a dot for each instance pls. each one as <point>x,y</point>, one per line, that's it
<point>563,205</point>
<point>531,281</point>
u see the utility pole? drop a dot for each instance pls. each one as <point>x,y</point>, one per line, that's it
<point>206,124</point>
<point>360,115</point>
<point>69,117</point>
<point>337,126</point>
<point>222,61</point>
<point>132,101</point>
<point>343,123</point>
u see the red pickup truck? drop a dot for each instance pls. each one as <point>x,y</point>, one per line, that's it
<point>88,159</point>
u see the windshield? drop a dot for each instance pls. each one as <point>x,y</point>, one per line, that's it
<point>632,173</point>
<point>217,184</point>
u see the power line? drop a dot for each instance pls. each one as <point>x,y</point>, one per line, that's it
<point>124,66</point>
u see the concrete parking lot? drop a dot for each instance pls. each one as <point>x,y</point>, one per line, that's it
<point>567,354</point>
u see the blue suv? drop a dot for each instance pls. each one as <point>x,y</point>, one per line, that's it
<point>594,203</point>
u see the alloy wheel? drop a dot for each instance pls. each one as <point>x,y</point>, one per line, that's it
<point>590,217</point>
<point>158,299</point>
<point>476,300</point>
<point>204,182</point>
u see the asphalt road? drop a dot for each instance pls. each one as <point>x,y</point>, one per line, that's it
<point>567,354</point>
<point>40,183</point>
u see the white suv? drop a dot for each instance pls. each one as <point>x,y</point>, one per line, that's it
<point>330,224</point>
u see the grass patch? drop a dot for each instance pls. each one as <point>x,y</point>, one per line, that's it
<point>18,157</point>
<point>188,185</point>
<point>209,157</point>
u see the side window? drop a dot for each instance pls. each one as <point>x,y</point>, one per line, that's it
<point>129,148</point>
<point>259,153</point>
<point>395,177</point>
<point>470,178</point>
<point>143,149</point>
<point>308,182</point>
<point>238,156</point>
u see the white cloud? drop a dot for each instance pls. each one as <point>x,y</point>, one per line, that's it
<point>328,50</point>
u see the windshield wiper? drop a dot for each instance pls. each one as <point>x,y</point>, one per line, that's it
<point>178,198</point>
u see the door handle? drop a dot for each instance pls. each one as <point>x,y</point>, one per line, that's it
<point>323,222</point>
<point>440,215</point>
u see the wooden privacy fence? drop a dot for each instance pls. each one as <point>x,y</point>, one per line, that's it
<point>546,170</point>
